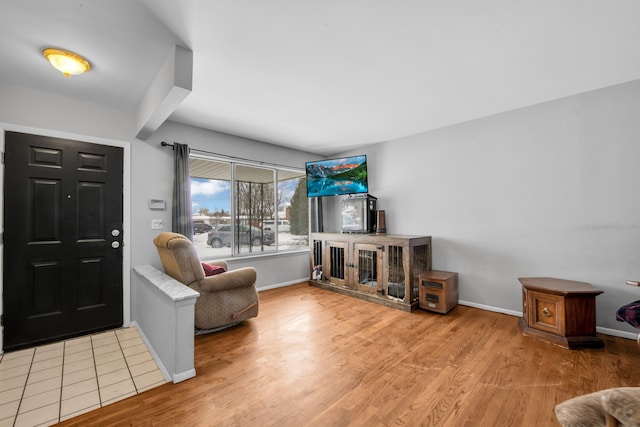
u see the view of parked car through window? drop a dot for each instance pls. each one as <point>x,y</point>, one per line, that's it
<point>255,209</point>
<point>246,235</point>
<point>200,227</point>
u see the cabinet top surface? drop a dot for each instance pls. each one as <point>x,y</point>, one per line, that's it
<point>437,274</point>
<point>350,236</point>
<point>558,286</point>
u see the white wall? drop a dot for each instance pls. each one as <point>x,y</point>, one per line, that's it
<point>149,170</point>
<point>151,164</point>
<point>152,175</point>
<point>25,110</point>
<point>35,109</point>
<point>549,190</point>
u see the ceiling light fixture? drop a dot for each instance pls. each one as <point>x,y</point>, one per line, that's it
<point>67,63</point>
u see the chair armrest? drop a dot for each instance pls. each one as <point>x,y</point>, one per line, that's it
<point>233,279</point>
<point>623,403</point>
<point>583,410</point>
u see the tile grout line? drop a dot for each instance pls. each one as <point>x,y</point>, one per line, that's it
<point>65,347</point>
<point>127,363</point>
<point>64,353</point>
<point>24,387</point>
<point>95,370</point>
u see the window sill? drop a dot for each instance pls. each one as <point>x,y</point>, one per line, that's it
<point>279,254</point>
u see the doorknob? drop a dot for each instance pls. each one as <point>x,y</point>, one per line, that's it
<point>115,245</point>
<point>115,232</point>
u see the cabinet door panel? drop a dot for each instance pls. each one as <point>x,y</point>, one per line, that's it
<point>367,268</point>
<point>395,270</point>
<point>336,262</point>
<point>546,312</point>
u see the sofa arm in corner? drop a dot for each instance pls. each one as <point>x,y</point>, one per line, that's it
<point>232,279</point>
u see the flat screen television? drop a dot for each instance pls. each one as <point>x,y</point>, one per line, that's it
<point>334,177</point>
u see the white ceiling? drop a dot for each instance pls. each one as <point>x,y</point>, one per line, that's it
<point>327,76</point>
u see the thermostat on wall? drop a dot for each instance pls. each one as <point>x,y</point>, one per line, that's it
<point>157,204</point>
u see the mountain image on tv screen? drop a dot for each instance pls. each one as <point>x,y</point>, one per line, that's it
<point>334,177</point>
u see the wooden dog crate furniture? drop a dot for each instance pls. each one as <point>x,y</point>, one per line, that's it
<point>381,268</point>
<point>438,291</point>
<point>561,312</point>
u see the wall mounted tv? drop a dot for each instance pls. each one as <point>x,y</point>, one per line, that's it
<point>334,177</point>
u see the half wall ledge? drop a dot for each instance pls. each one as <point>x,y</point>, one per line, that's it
<point>163,309</point>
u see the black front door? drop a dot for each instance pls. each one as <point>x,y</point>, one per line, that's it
<point>62,264</point>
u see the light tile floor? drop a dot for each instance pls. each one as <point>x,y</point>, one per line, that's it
<point>44,385</point>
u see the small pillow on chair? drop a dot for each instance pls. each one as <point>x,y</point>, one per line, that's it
<point>212,270</point>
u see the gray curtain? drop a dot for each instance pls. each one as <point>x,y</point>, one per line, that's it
<point>181,220</point>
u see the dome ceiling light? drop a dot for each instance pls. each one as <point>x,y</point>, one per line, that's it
<point>67,63</point>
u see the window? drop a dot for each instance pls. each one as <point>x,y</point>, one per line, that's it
<point>243,209</point>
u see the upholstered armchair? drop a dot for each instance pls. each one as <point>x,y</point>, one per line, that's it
<point>225,299</point>
<point>612,407</point>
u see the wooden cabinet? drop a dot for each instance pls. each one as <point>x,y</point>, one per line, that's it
<point>382,268</point>
<point>438,291</point>
<point>561,312</point>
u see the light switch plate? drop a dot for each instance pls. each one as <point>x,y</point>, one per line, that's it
<point>157,224</point>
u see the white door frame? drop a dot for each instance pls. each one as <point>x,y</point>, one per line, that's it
<point>126,208</point>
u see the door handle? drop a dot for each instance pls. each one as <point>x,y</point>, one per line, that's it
<point>115,245</point>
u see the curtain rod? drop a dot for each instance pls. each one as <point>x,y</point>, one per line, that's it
<point>225,156</point>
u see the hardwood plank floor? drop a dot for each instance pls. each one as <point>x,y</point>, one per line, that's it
<point>317,358</point>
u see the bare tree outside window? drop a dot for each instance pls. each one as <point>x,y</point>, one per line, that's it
<point>261,200</point>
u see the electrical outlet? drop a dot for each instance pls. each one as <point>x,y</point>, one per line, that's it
<point>157,224</point>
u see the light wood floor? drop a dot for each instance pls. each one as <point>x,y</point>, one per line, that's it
<point>316,358</point>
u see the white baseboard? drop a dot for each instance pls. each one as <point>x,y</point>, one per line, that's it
<point>184,375</point>
<point>491,308</point>
<point>617,333</point>
<point>282,285</point>
<point>605,331</point>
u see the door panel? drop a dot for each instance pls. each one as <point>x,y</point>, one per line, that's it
<point>44,289</point>
<point>44,210</point>
<point>62,277</point>
<point>89,294</point>
<point>91,209</point>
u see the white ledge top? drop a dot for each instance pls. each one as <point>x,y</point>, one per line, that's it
<point>166,284</point>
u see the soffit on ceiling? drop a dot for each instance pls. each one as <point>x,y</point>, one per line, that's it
<point>219,170</point>
<point>125,44</point>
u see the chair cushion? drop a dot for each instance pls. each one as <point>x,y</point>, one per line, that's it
<point>582,411</point>
<point>212,270</point>
<point>630,313</point>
